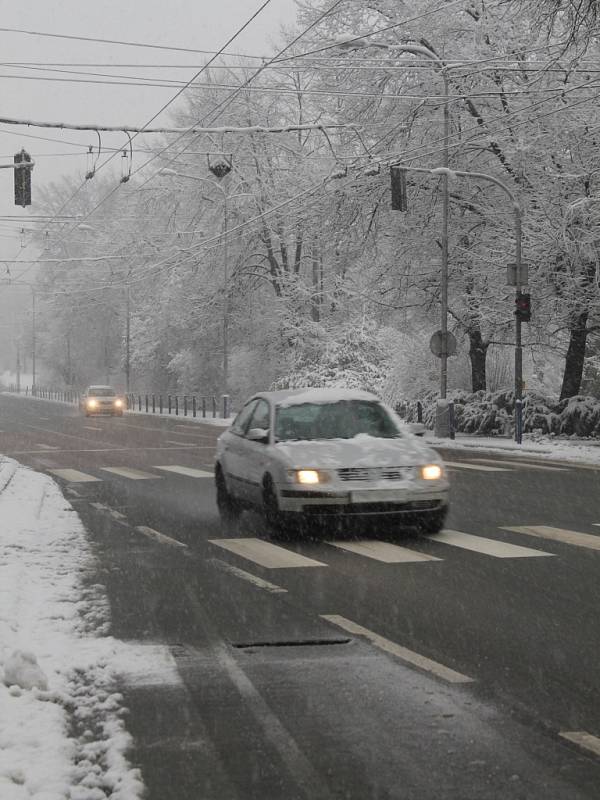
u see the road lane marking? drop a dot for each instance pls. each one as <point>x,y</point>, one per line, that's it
<point>162,538</point>
<point>478,467</point>
<point>383,551</point>
<point>129,472</point>
<point>403,653</point>
<point>180,444</point>
<point>525,464</point>
<point>260,583</point>
<point>265,554</point>
<point>489,547</point>
<point>559,535</point>
<point>92,428</point>
<point>46,446</point>
<point>111,511</point>
<point>106,450</point>
<point>74,476</point>
<point>583,739</point>
<point>191,473</point>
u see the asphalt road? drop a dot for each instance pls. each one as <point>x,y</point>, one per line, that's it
<point>459,666</point>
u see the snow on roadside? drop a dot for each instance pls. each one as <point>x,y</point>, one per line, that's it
<point>544,448</point>
<point>67,741</point>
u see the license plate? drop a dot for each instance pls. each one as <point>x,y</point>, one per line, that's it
<point>378,496</point>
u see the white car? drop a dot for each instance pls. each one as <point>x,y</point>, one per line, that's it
<point>308,454</point>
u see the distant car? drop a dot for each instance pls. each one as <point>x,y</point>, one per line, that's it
<point>101,400</point>
<point>311,454</point>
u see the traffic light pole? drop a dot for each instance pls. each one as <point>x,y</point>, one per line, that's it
<point>518,344</point>
<point>446,173</point>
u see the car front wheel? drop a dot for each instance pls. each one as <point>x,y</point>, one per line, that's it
<point>433,522</point>
<point>274,518</point>
<point>229,510</point>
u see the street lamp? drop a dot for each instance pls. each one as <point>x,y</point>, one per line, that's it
<point>226,198</point>
<point>441,68</point>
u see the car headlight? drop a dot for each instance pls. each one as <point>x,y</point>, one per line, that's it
<point>118,403</point>
<point>309,476</point>
<point>431,472</point>
<point>91,404</point>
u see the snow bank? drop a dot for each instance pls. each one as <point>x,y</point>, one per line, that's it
<point>61,731</point>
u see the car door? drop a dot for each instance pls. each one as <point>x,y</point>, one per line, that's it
<point>232,460</point>
<point>255,454</point>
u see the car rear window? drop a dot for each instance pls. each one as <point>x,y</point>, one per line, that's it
<point>342,420</point>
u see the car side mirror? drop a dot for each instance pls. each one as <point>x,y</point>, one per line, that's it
<point>258,435</point>
<point>417,428</point>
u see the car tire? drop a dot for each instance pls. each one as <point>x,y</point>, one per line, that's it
<point>433,522</point>
<point>274,518</point>
<point>229,510</point>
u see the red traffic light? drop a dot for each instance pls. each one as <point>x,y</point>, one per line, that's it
<point>523,307</point>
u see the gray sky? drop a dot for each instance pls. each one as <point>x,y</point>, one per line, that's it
<point>198,24</point>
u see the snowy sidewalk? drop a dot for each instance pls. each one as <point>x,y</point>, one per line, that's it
<point>576,451</point>
<point>61,731</point>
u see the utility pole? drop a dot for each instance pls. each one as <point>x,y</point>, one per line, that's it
<point>225,298</point>
<point>18,367</point>
<point>33,342</point>
<point>127,342</point>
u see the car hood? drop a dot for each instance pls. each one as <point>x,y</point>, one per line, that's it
<point>361,451</point>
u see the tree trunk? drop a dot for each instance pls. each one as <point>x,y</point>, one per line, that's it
<point>574,360</point>
<point>477,353</point>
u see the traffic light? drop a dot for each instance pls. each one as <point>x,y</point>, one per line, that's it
<point>22,179</point>
<point>523,307</point>
<point>399,199</point>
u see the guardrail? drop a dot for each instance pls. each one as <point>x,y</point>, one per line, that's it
<point>150,403</point>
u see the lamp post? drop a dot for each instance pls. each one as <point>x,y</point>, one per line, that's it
<point>441,68</point>
<point>226,198</point>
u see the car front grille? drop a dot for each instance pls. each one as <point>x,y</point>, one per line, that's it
<point>415,507</point>
<point>374,473</point>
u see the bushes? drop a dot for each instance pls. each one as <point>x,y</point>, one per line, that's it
<point>488,414</point>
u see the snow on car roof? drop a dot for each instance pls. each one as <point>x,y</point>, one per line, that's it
<point>292,397</point>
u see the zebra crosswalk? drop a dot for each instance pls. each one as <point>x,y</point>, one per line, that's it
<point>77,476</point>
<point>274,556</point>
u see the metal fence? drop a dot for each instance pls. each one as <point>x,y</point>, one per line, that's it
<point>193,405</point>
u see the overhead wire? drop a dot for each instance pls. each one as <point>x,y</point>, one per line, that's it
<point>255,14</point>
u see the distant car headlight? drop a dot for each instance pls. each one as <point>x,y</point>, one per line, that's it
<point>431,472</point>
<point>309,476</point>
<point>91,404</point>
<point>118,403</point>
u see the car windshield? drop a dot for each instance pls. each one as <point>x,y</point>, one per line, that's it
<point>101,391</point>
<point>342,420</point>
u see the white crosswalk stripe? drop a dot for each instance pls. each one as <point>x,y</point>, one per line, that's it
<point>188,471</point>
<point>266,554</point>
<point>74,475</point>
<point>477,467</point>
<point>129,472</point>
<point>383,551</point>
<point>488,547</point>
<point>576,538</point>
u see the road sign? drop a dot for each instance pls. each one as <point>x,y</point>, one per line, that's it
<point>436,344</point>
